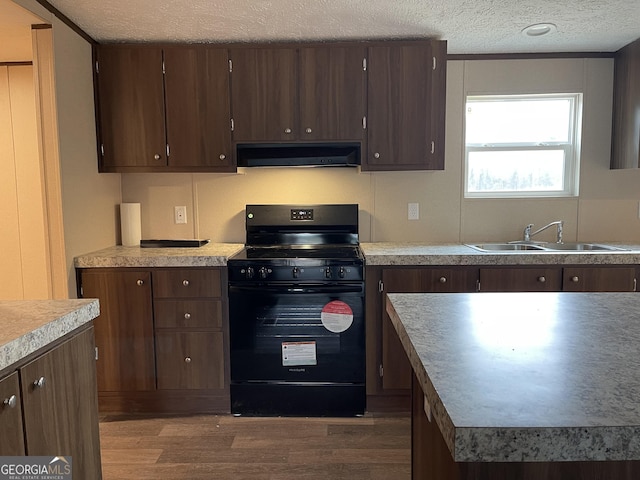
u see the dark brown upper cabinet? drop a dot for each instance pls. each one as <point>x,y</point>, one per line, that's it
<point>163,109</point>
<point>406,106</point>
<point>625,137</point>
<point>313,93</point>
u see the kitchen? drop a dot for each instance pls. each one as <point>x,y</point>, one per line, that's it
<point>606,209</point>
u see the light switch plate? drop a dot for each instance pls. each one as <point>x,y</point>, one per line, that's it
<point>180,214</point>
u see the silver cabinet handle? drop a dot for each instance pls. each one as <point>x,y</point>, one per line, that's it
<point>575,279</point>
<point>187,316</point>
<point>222,156</point>
<point>185,283</point>
<point>376,155</point>
<point>287,130</point>
<point>443,280</point>
<point>187,360</point>
<point>542,279</point>
<point>140,283</point>
<point>156,156</point>
<point>39,383</point>
<point>10,402</point>
<point>308,130</point>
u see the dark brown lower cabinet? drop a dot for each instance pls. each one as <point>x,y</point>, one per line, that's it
<point>521,279</point>
<point>12,437</point>
<point>57,391</point>
<point>599,279</point>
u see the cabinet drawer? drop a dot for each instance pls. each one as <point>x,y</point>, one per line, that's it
<point>190,360</point>
<point>599,279</point>
<point>520,279</point>
<point>188,313</point>
<point>186,283</point>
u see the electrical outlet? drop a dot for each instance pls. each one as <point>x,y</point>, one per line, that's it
<point>180,214</point>
<point>413,211</point>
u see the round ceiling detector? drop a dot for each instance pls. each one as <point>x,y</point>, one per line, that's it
<point>539,29</point>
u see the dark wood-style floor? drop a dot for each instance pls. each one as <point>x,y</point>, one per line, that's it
<point>238,448</point>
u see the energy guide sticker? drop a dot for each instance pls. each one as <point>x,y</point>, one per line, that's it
<point>336,316</point>
<point>298,353</point>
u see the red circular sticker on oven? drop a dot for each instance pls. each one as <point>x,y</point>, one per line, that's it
<point>336,316</point>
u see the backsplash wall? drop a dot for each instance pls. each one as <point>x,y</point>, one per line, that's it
<point>606,209</point>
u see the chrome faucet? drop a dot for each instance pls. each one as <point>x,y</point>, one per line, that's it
<point>527,231</point>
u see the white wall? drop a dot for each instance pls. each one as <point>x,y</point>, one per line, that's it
<point>606,210</point>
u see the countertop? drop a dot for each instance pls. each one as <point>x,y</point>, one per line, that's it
<point>29,325</point>
<point>381,253</point>
<point>527,376</point>
<point>394,253</point>
<point>210,255</point>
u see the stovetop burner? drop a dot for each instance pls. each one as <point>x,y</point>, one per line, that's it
<point>301,251</point>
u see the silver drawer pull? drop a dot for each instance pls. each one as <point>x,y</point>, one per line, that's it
<point>185,283</point>
<point>187,316</point>
<point>222,156</point>
<point>10,402</point>
<point>308,130</point>
<point>156,157</point>
<point>140,283</point>
<point>287,130</point>
<point>542,279</point>
<point>575,279</point>
<point>443,280</point>
<point>39,383</point>
<point>187,360</point>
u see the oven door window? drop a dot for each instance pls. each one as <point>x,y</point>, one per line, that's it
<point>290,334</point>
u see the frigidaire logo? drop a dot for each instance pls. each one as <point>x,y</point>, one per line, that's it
<point>297,369</point>
<point>35,468</point>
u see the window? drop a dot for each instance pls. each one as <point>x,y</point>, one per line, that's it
<point>522,145</point>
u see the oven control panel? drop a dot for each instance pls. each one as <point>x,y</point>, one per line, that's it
<point>302,214</point>
<point>299,273</point>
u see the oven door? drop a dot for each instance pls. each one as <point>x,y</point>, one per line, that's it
<point>297,333</point>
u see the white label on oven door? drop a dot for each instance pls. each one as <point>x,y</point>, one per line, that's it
<point>336,316</point>
<point>298,353</point>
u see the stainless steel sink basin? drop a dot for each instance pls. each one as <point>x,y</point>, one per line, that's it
<point>580,247</point>
<point>546,247</point>
<point>505,247</point>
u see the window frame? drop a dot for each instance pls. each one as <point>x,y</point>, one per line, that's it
<point>571,148</point>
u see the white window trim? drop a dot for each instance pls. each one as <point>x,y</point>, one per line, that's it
<point>572,150</point>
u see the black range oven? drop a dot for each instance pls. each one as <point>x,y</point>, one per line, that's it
<point>296,313</point>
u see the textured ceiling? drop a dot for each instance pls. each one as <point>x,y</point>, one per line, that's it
<point>469,26</point>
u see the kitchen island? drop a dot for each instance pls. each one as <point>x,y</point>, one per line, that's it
<point>48,396</point>
<point>522,385</point>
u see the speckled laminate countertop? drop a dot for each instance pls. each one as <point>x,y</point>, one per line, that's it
<point>210,255</point>
<point>29,325</point>
<point>393,253</point>
<point>527,376</point>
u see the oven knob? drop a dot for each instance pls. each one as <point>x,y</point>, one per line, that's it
<point>296,272</point>
<point>263,272</point>
<point>249,272</point>
<point>327,272</point>
<point>342,272</point>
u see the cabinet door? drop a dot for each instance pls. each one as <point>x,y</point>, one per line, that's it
<point>263,94</point>
<point>190,360</point>
<point>124,330</point>
<point>197,105</point>
<point>599,279</point>
<point>12,438</point>
<point>406,96</point>
<point>60,405</point>
<point>131,107</point>
<point>521,279</point>
<point>396,367</point>
<point>625,145</point>
<point>332,93</point>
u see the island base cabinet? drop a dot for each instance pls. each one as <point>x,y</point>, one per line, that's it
<point>432,460</point>
<point>60,405</point>
<point>12,437</point>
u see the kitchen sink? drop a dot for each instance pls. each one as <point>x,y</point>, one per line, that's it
<point>505,247</point>
<point>540,247</point>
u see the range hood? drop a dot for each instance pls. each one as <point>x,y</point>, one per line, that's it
<point>298,155</point>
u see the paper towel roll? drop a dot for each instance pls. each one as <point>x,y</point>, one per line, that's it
<point>130,224</point>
